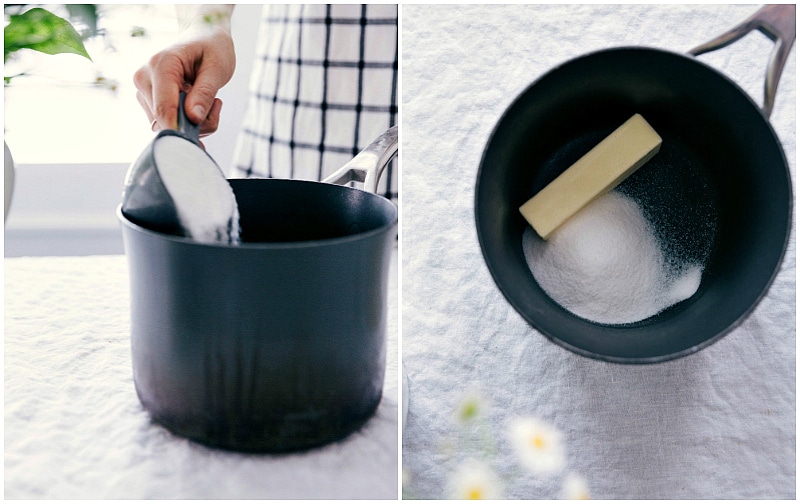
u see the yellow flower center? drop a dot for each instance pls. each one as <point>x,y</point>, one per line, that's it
<point>474,493</point>
<point>538,441</point>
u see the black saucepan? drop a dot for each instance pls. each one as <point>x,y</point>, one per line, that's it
<point>278,343</point>
<point>720,188</point>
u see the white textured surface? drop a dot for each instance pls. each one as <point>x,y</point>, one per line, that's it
<point>717,424</point>
<point>74,428</point>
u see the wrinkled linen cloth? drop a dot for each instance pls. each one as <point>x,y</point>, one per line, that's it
<point>716,424</point>
<point>74,427</point>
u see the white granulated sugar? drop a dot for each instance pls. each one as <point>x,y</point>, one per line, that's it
<point>606,265</point>
<point>203,198</point>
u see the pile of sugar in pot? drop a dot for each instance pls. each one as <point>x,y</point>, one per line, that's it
<point>607,265</point>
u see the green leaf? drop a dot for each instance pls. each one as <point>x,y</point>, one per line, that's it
<point>43,31</point>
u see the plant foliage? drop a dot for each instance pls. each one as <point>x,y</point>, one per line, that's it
<point>40,30</point>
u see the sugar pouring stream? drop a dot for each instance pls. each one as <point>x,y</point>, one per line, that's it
<point>176,187</point>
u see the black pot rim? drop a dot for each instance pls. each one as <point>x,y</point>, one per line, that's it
<point>392,223</point>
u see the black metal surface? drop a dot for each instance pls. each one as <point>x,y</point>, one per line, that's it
<point>720,189</point>
<point>266,346</point>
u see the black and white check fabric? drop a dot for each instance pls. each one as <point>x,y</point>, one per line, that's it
<point>324,86</point>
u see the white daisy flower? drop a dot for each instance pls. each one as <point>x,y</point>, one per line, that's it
<point>474,480</point>
<point>538,445</point>
<point>575,488</point>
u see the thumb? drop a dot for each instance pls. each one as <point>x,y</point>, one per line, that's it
<point>200,99</point>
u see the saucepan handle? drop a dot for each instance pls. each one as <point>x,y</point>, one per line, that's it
<point>778,23</point>
<point>368,165</point>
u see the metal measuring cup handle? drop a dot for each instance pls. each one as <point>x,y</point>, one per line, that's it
<point>191,131</point>
<point>776,22</point>
<point>369,164</point>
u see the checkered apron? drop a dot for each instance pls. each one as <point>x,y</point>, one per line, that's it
<point>323,87</point>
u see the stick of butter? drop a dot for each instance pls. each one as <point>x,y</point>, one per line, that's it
<point>601,169</point>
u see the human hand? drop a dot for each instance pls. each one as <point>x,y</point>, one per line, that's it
<point>200,63</point>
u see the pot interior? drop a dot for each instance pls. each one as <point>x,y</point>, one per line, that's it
<point>274,210</point>
<point>717,193</point>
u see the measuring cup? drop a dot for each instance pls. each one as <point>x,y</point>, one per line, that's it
<point>146,198</point>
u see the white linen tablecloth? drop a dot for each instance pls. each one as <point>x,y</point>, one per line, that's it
<point>74,428</point>
<point>716,424</point>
